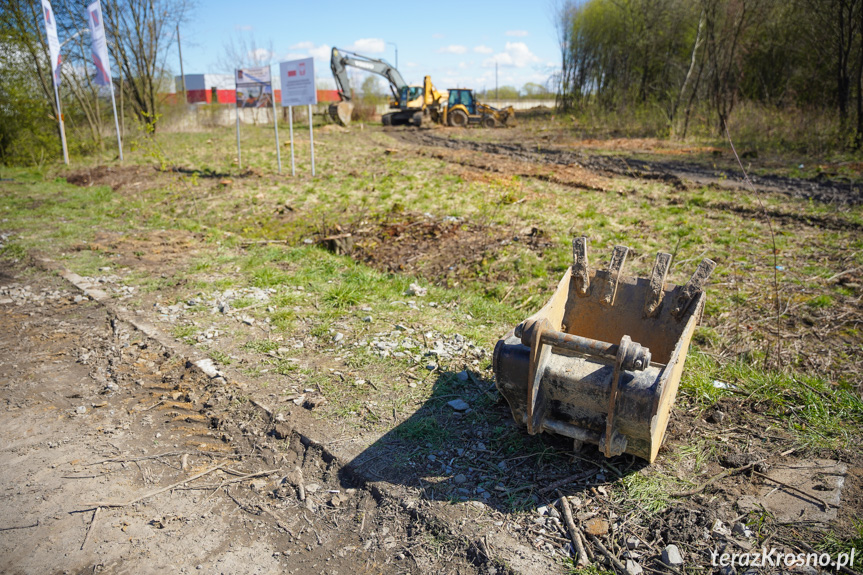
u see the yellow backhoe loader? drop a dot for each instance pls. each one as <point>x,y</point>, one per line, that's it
<point>462,109</point>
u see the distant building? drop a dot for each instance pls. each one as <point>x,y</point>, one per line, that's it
<point>221,89</point>
<point>208,88</point>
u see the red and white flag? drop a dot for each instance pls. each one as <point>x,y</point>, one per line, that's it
<point>99,44</point>
<point>53,42</point>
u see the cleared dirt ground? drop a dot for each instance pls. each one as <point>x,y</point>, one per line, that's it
<point>158,418</point>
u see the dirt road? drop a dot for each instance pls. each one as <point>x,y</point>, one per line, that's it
<point>119,457</point>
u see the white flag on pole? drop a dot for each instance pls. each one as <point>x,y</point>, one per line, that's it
<point>99,44</point>
<point>53,42</point>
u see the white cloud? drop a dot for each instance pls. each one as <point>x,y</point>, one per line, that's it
<point>321,52</point>
<point>369,46</point>
<point>261,55</point>
<point>517,33</point>
<point>516,55</point>
<point>483,49</point>
<point>452,49</point>
<point>243,27</point>
<point>437,36</point>
<point>306,49</point>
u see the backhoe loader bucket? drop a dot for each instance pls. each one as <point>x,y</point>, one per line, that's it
<point>602,360</point>
<point>341,112</point>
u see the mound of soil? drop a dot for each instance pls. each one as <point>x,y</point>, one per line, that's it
<point>440,250</point>
<point>116,177</point>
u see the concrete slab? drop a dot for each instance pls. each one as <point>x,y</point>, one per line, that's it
<point>808,491</point>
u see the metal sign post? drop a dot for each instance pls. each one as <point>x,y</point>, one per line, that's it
<point>312,139</point>
<point>239,151</point>
<point>276,128</point>
<point>252,85</point>
<point>291,124</point>
<point>298,89</point>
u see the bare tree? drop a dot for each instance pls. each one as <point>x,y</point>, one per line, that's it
<point>563,12</point>
<point>140,33</point>
<point>243,51</point>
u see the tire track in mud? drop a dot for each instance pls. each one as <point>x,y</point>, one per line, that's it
<point>279,500</point>
<point>565,178</point>
<point>674,173</point>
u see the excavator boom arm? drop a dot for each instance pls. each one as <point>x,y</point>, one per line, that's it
<point>341,59</point>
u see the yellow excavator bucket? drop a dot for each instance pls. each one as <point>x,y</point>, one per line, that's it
<point>341,112</point>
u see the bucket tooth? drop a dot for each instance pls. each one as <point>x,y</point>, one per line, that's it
<point>657,284</point>
<point>618,257</point>
<point>579,266</point>
<point>693,287</point>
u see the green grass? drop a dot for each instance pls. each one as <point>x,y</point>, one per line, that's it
<point>818,413</point>
<point>358,185</point>
<point>186,333</point>
<point>423,430</point>
<point>261,346</point>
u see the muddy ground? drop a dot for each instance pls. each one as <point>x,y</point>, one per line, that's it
<point>674,172</point>
<point>127,451</point>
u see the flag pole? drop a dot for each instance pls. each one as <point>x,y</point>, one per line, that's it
<point>116,123</point>
<point>60,119</point>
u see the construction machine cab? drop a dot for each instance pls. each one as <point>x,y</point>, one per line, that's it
<point>463,97</point>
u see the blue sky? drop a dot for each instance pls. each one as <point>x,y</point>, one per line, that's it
<point>457,43</point>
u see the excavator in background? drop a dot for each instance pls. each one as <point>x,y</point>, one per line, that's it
<point>412,104</point>
<point>462,109</point>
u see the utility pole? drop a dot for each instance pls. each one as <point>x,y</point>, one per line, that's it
<point>182,74</point>
<point>394,45</point>
<point>495,82</point>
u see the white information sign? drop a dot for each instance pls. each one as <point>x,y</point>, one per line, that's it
<point>298,82</point>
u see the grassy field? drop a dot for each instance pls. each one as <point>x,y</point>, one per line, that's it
<point>183,231</point>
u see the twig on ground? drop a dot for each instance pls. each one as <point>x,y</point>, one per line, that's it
<point>133,459</point>
<point>722,474</point>
<point>614,560</point>
<point>20,527</point>
<point>90,527</point>
<point>566,480</point>
<point>231,481</point>
<point>574,532</point>
<point>278,521</point>
<point>157,491</point>
<point>157,404</point>
<point>823,503</point>
<point>842,273</point>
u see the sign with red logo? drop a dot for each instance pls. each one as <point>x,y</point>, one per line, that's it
<point>298,82</point>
